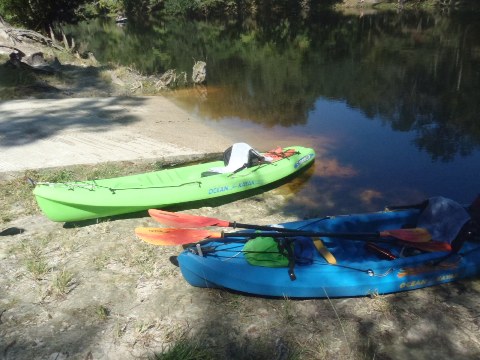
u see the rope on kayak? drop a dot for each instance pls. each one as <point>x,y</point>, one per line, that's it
<point>369,272</point>
<point>113,190</point>
<point>92,185</point>
<point>237,253</point>
<point>70,186</point>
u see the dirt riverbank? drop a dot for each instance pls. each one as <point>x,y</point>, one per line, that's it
<point>94,291</point>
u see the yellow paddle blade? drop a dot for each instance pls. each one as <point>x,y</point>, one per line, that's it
<point>322,249</point>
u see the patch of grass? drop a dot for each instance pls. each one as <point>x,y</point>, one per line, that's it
<point>60,175</point>
<point>72,243</point>
<point>119,330</point>
<point>104,171</point>
<point>380,304</point>
<point>100,261</point>
<point>102,312</point>
<point>368,350</point>
<point>311,347</point>
<point>34,258</point>
<point>142,257</point>
<point>231,302</point>
<point>13,79</point>
<point>16,196</point>
<point>145,333</point>
<point>186,349</point>
<point>37,267</point>
<point>62,282</point>
<point>288,311</point>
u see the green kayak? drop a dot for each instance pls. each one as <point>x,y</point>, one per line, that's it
<point>243,169</point>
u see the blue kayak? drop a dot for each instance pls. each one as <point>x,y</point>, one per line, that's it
<point>359,270</point>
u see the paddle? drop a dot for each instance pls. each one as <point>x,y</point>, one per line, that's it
<point>167,236</point>
<point>187,220</point>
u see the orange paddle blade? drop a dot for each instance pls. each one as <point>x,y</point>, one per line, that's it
<point>173,237</point>
<point>417,235</point>
<point>182,219</point>
<point>431,246</point>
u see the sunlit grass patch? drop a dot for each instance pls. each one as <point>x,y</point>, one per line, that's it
<point>38,268</point>
<point>34,257</point>
<point>16,196</point>
<point>62,282</point>
<point>144,259</point>
<point>100,261</point>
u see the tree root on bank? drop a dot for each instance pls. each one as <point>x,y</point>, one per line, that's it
<point>16,36</point>
<point>25,49</point>
<point>21,35</point>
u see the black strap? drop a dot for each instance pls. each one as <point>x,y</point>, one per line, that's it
<point>291,261</point>
<point>244,166</point>
<point>286,249</point>
<point>467,232</point>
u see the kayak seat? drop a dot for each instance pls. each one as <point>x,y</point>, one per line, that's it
<point>237,157</point>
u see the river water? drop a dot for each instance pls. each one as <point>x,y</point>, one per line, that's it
<point>390,101</point>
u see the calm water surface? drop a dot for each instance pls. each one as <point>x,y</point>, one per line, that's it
<point>390,102</point>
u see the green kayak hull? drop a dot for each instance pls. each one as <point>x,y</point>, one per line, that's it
<point>75,201</point>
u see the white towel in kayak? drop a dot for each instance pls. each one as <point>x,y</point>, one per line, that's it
<point>239,157</point>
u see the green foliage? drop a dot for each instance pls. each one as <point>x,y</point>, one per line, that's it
<point>202,8</point>
<point>180,7</point>
<point>102,7</point>
<point>39,15</point>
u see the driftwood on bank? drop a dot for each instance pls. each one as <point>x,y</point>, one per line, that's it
<point>29,36</point>
<point>24,49</point>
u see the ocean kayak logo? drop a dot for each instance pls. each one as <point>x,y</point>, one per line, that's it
<point>303,160</point>
<point>241,185</point>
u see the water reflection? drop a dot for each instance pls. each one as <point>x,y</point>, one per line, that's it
<point>389,101</point>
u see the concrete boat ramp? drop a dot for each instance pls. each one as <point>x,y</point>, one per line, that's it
<point>44,133</point>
